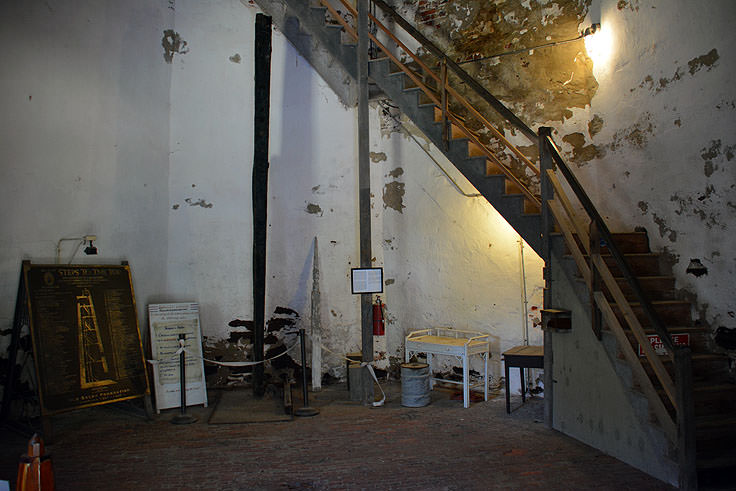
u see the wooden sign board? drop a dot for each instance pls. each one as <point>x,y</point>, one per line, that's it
<point>658,346</point>
<point>167,321</point>
<point>84,328</point>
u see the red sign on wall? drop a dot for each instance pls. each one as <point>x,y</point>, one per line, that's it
<point>658,346</point>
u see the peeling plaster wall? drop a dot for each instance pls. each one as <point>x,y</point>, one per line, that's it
<point>649,129</point>
<point>313,193</point>
<point>83,139</point>
<point>666,116</point>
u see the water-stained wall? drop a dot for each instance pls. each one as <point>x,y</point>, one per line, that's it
<point>646,119</point>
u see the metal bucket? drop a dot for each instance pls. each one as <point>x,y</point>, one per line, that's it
<point>415,384</point>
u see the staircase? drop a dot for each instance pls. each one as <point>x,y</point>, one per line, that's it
<point>657,387</point>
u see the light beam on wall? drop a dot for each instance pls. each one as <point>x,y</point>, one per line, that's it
<point>599,45</point>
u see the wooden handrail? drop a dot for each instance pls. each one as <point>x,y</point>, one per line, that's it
<point>462,74</point>
<point>605,233</point>
<point>440,102</point>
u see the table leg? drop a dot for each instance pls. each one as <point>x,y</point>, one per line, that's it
<point>523,384</point>
<point>485,376</point>
<point>429,362</point>
<point>506,372</point>
<point>466,383</point>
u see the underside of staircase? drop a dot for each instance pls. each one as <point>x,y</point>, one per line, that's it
<point>325,44</point>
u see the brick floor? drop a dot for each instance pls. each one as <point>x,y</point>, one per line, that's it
<point>347,446</point>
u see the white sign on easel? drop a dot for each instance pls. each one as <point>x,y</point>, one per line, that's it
<point>167,321</point>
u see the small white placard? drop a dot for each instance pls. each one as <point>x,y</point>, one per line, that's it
<point>367,280</point>
<point>167,321</point>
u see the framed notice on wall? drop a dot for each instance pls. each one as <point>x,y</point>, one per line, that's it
<point>167,321</point>
<point>84,328</point>
<point>366,280</point>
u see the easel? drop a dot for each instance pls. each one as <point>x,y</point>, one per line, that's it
<point>61,280</point>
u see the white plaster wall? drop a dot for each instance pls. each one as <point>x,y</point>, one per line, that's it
<point>679,182</point>
<point>83,138</point>
<point>449,260</point>
<point>211,157</point>
<point>313,193</point>
<point>156,160</point>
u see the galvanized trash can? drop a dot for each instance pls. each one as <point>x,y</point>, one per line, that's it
<point>415,384</point>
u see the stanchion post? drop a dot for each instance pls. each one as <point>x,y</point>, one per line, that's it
<point>183,418</point>
<point>305,410</point>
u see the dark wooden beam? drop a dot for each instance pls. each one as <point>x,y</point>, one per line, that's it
<point>260,189</point>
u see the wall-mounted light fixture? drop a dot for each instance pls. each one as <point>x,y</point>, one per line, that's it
<point>587,32</point>
<point>89,250</point>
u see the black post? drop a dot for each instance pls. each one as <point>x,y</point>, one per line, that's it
<point>260,190</point>
<point>183,418</point>
<point>305,410</point>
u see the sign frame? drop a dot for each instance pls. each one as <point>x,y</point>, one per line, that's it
<point>88,313</point>
<point>166,321</point>
<point>366,280</point>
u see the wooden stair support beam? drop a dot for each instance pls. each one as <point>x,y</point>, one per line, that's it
<point>636,328</point>
<point>658,407</point>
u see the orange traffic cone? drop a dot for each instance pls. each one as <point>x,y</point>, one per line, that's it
<point>34,470</point>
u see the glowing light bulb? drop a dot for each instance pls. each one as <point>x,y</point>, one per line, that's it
<point>600,46</point>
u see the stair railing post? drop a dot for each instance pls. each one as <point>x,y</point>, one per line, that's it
<point>686,438</point>
<point>547,163</point>
<point>443,95</point>
<point>595,278</point>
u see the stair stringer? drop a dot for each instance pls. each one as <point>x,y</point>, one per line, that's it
<point>595,399</point>
<point>317,46</point>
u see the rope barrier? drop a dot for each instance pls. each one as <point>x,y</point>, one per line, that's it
<point>175,357</point>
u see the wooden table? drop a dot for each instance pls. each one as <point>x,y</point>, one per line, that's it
<point>521,357</point>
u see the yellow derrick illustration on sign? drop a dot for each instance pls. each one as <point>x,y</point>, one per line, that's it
<point>93,367</point>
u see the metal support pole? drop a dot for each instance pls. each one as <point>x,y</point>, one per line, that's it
<point>305,410</point>
<point>364,195</point>
<point>546,163</point>
<point>183,418</point>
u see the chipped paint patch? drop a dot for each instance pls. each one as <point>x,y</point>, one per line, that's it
<point>200,202</point>
<point>636,135</point>
<point>313,209</point>
<point>582,153</point>
<point>235,58</point>
<point>595,125</point>
<point>377,157</point>
<point>393,196</point>
<point>175,207</point>
<point>172,44</point>
<point>664,229</point>
<point>706,60</point>
<point>396,172</point>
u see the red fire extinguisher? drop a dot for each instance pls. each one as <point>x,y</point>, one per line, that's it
<point>379,327</point>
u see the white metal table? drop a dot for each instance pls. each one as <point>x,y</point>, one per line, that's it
<point>452,342</point>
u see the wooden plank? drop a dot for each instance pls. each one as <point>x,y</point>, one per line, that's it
<point>567,206</point>
<point>636,329</point>
<point>577,255</point>
<point>261,117</point>
<point>633,360</point>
